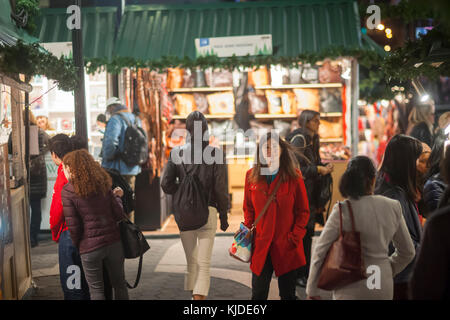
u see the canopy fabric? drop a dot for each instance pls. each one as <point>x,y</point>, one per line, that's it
<point>151,32</point>
<point>98,28</point>
<point>9,32</point>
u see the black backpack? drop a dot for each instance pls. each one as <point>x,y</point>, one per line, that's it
<point>190,205</point>
<point>135,148</point>
<point>128,195</point>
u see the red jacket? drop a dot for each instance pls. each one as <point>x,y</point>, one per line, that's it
<point>282,228</point>
<point>57,221</point>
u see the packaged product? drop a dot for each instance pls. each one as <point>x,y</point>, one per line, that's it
<point>174,78</point>
<point>278,75</point>
<point>188,79</point>
<point>221,103</point>
<point>274,101</point>
<point>330,72</point>
<point>310,74</point>
<point>218,78</point>
<point>330,128</point>
<point>307,99</point>
<point>201,102</point>
<point>258,77</point>
<point>257,102</point>
<point>184,103</point>
<point>330,100</point>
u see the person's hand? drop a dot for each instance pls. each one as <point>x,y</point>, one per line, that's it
<point>314,298</point>
<point>330,167</point>
<point>323,170</point>
<point>224,225</point>
<point>118,192</point>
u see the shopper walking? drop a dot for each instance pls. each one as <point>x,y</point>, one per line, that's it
<point>92,213</point>
<point>396,179</point>
<point>307,143</point>
<point>114,141</point>
<point>420,123</point>
<point>278,237</point>
<point>68,255</point>
<point>431,277</point>
<point>197,231</point>
<point>379,221</point>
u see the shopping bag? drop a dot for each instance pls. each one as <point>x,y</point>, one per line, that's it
<point>241,248</point>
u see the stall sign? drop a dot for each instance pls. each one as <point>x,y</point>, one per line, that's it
<point>238,45</point>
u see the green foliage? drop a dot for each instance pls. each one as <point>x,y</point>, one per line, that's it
<point>31,8</point>
<point>30,60</point>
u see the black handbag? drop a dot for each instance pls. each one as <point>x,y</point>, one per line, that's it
<point>134,245</point>
<point>324,195</point>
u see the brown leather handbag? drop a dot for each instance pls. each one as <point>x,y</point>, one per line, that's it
<point>344,263</point>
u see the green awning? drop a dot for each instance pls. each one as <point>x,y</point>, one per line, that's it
<point>9,32</point>
<point>98,26</point>
<point>304,26</point>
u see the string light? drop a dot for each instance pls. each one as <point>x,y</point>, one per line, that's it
<point>389,35</point>
<point>387,48</point>
<point>380,27</point>
<point>388,31</point>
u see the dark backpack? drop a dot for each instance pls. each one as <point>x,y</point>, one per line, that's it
<point>135,147</point>
<point>128,195</point>
<point>190,205</point>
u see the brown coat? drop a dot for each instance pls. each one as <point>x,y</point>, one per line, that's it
<point>92,221</point>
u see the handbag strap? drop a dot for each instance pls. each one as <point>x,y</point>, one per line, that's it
<point>350,210</point>
<point>269,200</point>
<point>138,276</point>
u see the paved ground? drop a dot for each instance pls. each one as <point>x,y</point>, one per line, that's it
<point>163,273</point>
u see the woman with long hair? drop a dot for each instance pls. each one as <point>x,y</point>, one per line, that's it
<point>396,179</point>
<point>92,213</point>
<point>379,221</point>
<point>279,233</point>
<point>421,122</point>
<point>197,231</point>
<point>306,142</point>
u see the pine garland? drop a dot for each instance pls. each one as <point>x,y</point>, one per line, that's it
<point>31,60</point>
<point>30,10</point>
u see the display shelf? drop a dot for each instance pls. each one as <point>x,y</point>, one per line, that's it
<point>300,86</point>
<point>207,116</point>
<point>331,140</point>
<point>201,89</point>
<point>293,116</point>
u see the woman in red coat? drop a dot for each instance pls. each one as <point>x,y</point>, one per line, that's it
<point>278,235</point>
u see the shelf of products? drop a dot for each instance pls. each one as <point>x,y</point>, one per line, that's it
<point>330,140</point>
<point>300,86</point>
<point>293,116</point>
<point>201,89</point>
<point>207,116</point>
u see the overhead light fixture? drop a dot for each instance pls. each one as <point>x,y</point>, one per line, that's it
<point>387,48</point>
<point>424,97</point>
<point>380,27</point>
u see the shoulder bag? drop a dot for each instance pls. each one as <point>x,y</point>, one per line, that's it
<point>241,248</point>
<point>344,263</point>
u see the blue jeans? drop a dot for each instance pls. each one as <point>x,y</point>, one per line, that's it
<point>71,274</point>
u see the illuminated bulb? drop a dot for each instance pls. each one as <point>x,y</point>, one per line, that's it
<point>387,48</point>
<point>380,27</point>
<point>388,31</point>
<point>425,97</point>
<point>389,35</point>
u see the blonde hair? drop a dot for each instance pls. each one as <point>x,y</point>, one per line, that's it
<point>420,113</point>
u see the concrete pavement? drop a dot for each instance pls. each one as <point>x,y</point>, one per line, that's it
<point>162,274</point>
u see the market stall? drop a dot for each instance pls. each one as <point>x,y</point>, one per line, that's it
<point>246,66</point>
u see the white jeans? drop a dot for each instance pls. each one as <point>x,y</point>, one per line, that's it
<point>198,246</point>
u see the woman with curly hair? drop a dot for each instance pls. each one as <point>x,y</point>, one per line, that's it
<point>92,212</point>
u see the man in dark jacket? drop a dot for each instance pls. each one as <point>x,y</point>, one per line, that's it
<point>431,277</point>
<point>307,144</point>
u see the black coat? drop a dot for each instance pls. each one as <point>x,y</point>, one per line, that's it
<point>38,170</point>
<point>309,147</point>
<point>431,277</point>
<point>422,133</point>
<point>213,177</point>
<point>432,192</point>
<point>411,216</point>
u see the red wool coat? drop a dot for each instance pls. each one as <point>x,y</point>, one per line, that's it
<point>282,228</point>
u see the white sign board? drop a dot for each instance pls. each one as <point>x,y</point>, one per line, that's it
<point>229,46</point>
<point>59,49</point>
